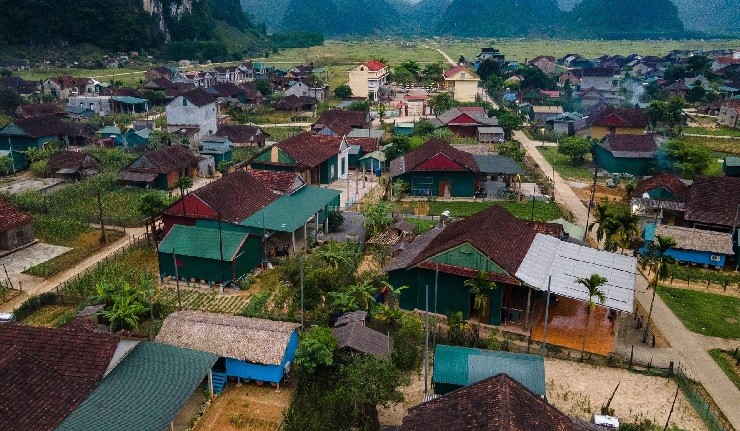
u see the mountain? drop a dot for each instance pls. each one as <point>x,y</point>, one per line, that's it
<point>503,18</point>
<point>710,16</point>
<point>270,13</point>
<point>342,17</point>
<point>422,17</point>
<point>636,19</point>
<point>181,28</point>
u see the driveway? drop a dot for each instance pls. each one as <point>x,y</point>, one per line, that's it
<point>353,228</point>
<point>19,261</point>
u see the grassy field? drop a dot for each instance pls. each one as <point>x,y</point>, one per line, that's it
<point>49,316</point>
<point>280,133</point>
<point>722,131</point>
<point>704,313</point>
<point>562,164</point>
<point>728,146</point>
<point>543,211</point>
<point>724,359</point>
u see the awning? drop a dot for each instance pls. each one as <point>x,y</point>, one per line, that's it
<point>288,213</point>
<point>566,262</point>
<point>136,177</point>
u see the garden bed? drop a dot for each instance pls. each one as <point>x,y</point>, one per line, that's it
<point>246,407</point>
<point>562,165</point>
<point>543,211</point>
<point>50,316</point>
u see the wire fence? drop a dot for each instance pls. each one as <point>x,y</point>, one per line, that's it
<point>702,402</point>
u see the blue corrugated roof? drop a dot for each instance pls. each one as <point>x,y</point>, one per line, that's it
<point>463,366</point>
<point>129,100</point>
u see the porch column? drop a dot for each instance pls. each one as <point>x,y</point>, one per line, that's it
<point>316,224</point>
<point>326,220</point>
<point>526,312</point>
<point>293,240</point>
<point>210,382</point>
<point>305,234</point>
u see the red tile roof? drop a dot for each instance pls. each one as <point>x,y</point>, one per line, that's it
<point>494,404</point>
<point>368,145</point>
<point>172,158</point>
<point>10,217</point>
<point>414,159</point>
<point>46,373</point>
<point>449,73</point>
<point>236,196</point>
<point>714,200</point>
<point>309,149</point>
<point>39,110</point>
<point>374,65</point>
<point>277,181</point>
<point>37,127</point>
<point>631,143</point>
<point>666,180</point>
<point>496,233</point>
<point>620,117</point>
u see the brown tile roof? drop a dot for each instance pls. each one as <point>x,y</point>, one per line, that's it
<point>37,127</point>
<point>499,235</point>
<point>449,73</point>
<point>714,200</point>
<point>626,145</point>
<point>620,117</point>
<point>121,92</point>
<point>46,373</point>
<point>598,71</point>
<point>69,160</point>
<point>242,133</point>
<point>226,89</point>
<point>292,101</point>
<point>368,145</point>
<point>359,337</point>
<point>309,149</point>
<point>39,110</point>
<point>277,181</point>
<point>162,83</point>
<point>438,146</point>
<point>199,97</point>
<point>10,217</point>
<point>664,179</point>
<point>236,196</point>
<point>342,122</point>
<point>172,158</point>
<point>494,404</point>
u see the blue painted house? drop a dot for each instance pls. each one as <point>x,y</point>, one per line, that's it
<point>220,147</point>
<point>22,134</point>
<point>698,246</point>
<point>249,348</point>
<point>113,133</point>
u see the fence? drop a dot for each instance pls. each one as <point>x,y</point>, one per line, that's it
<point>705,407</point>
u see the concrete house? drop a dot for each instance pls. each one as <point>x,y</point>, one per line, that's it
<point>697,246</point>
<point>465,120</point>
<point>15,227</point>
<point>462,83</point>
<point>620,121</point>
<point>195,112</point>
<point>729,114</point>
<point>632,154</point>
<point>600,78</point>
<point>366,79</point>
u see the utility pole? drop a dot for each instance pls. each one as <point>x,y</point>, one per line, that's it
<point>303,326</point>
<point>102,226</point>
<point>426,342</point>
<point>221,249</point>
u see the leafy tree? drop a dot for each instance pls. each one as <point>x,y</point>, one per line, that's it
<point>315,350</point>
<point>432,72</point>
<point>377,217</point>
<point>507,119</point>
<point>488,68</point>
<point>699,64</point>
<point>263,86</point>
<point>666,114</point>
<point>512,149</point>
<point>343,92</point>
<point>566,96</point>
<point>592,285</point>
<point>617,226</point>
<point>575,147</point>
<point>411,67</point>
<point>399,146</point>
<point>674,73</point>
<point>336,220</point>
<point>408,343</point>
<point>654,91</point>
<point>223,167</point>
<point>151,205</point>
<point>423,127</point>
<point>478,286</point>
<point>43,153</point>
<point>358,296</point>
<point>696,93</point>
<point>659,260</point>
<point>493,85</point>
<point>536,78</point>
<point>359,105</point>
<point>689,159</point>
<point>9,101</point>
<point>442,102</point>
<point>400,189</point>
<point>6,165</point>
<point>184,183</point>
<point>403,76</point>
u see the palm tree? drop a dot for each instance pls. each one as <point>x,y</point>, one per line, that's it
<point>477,285</point>
<point>592,285</point>
<point>659,261</point>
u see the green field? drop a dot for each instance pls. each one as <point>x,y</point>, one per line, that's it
<point>562,164</point>
<point>724,359</point>
<point>722,131</point>
<point>543,211</point>
<point>704,313</point>
<point>719,145</point>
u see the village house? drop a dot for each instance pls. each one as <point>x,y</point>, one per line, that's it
<point>160,169</point>
<point>356,337</point>
<point>563,124</point>
<point>632,154</point>
<point>729,114</point>
<point>367,79</point>
<point>19,85</point>
<point>248,348</point>
<point>663,186</point>
<point>99,105</point>
<point>296,104</point>
<point>15,227</point>
<point>693,246</point>
<point>731,166</point>
<point>541,113</point>
<point>462,83</point>
<point>72,165</point>
<point>334,122</point>
<point>491,53</point>
<point>301,89</point>
<point>62,87</point>
<point>465,120</point>
<point>39,110</point>
<point>159,72</point>
<point>20,135</point>
<point>137,140</point>
<point>545,63</point>
<point>195,112</point>
<point>243,135</point>
<point>227,93</point>
<point>713,203</point>
<point>600,78</point>
<point>621,121</point>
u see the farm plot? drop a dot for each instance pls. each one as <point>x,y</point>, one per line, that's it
<point>203,299</point>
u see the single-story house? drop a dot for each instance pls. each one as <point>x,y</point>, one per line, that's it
<point>713,203</point>
<point>702,247</point>
<point>320,159</point>
<point>243,135</point>
<point>632,154</point>
<point>292,103</point>
<point>731,166</point>
<point>603,120</point>
<point>191,252</point>
<point>373,162</point>
<point>72,165</point>
<point>160,168</point>
<point>490,134</point>
<point>493,404</point>
<point>334,122</point>
<point>220,147</point>
<point>113,133</point>
<point>405,129</point>
<point>249,348</point>
<point>359,338</point>
<point>540,113</point>
<point>662,186</point>
<point>465,120</point>
<point>20,135</point>
<point>457,367</point>
<point>15,227</point>
<point>137,139</point>
<point>147,389</point>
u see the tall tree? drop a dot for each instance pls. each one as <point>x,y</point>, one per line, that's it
<point>576,148</point>
<point>659,260</point>
<point>592,285</point>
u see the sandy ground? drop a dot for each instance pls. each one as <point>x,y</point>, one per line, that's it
<point>250,407</point>
<point>571,388</point>
<point>26,182</point>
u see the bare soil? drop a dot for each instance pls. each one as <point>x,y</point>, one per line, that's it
<point>248,407</point>
<point>603,194</point>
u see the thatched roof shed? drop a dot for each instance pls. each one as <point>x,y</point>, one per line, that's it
<point>258,341</point>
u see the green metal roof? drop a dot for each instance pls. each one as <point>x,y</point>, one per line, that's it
<point>573,230</point>
<point>202,242</point>
<point>110,130</point>
<point>289,212</point>
<point>463,366</point>
<point>144,391</point>
<point>377,155</point>
<point>130,100</point>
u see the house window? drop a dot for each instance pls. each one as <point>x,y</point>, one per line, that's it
<point>462,75</point>
<point>184,102</point>
<point>19,235</point>
<point>331,172</point>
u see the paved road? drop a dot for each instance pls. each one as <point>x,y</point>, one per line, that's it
<point>686,345</point>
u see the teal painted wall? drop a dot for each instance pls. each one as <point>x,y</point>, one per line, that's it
<point>605,159</point>
<point>662,193</point>
<point>467,256</point>
<point>247,259</point>
<point>160,182</point>
<point>462,184</point>
<point>325,169</point>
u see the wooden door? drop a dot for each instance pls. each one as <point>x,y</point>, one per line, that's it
<point>444,189</point>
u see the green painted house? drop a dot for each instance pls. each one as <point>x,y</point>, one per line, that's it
<point>319,159</point>
<point>220,147</point>
<point>623,153</point>
<point>208,254</point>
<point>160,169</point>
<point>114,133</point>
<point>437,169</point>
<point>137,139</point>
<point>663,186</point>
<point>23,134</point>
<point>441,260</point>
<point>731,166</point>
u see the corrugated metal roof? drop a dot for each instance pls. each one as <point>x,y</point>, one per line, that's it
<point>289,212</point>
<point>464,366</point>
<point>202,242</point>
<point>497,164</point>
<point>144,392</point>
<point>567,262</point>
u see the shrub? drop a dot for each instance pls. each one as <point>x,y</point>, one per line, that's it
<point>336,220</point>
<point>38,168</point>
<point>408,343</point>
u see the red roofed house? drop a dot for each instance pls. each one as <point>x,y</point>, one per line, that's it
<point>621,121</point>
<point>366,79</point>
<point>663,186</point>
<point>161,168</point>
<point>335,122</point>
<point>465,120</point>
<point>713,203</point>
<point>631,154</point>
<point>462,83</point>
<point>319,159</point>
<point>15,227</point>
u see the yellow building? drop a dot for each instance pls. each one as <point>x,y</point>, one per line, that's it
<point>461,83</point>
<point>620,121</point>
<point>366,79</point>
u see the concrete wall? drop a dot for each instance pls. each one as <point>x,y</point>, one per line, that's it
<point>205,117</point>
